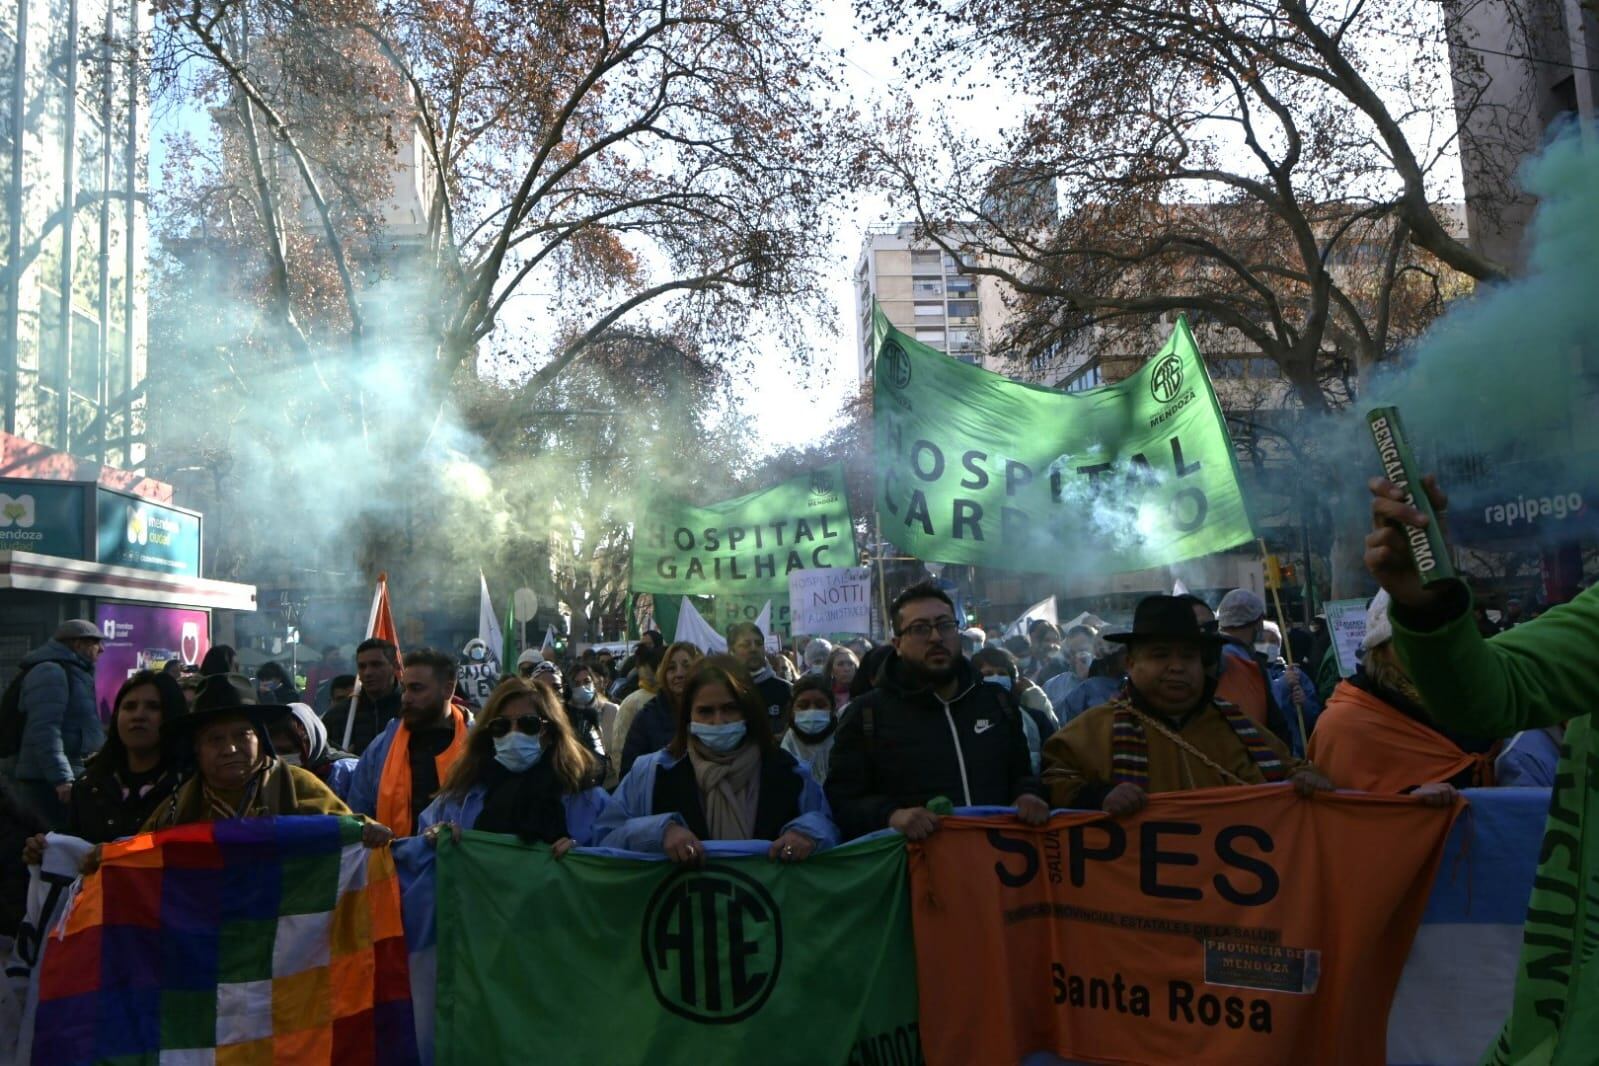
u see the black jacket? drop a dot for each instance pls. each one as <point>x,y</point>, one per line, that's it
<point>99,814</point>
<point>370,719</point>
<point>911,755</point>
<point>652,730</point>
<point>17,824</point>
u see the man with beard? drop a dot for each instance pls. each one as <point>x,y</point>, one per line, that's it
<point>1167,731</point>
<point>930,730</point>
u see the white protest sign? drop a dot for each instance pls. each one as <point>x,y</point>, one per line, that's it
<point>830,600</point>
<point>1346,621</point>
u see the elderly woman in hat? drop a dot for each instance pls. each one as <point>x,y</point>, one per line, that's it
<point>1166,731</point>
<point>237,774</point>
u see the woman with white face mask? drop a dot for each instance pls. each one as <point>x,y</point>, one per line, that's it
<point>593,717</point>
<point>813,719</point>
<point>722,777</point>
<point>524,772</point>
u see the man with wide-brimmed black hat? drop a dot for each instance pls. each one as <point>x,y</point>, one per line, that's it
<point>237,775</point>
<point>1166,732</point>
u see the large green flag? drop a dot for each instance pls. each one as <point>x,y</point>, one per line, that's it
<point>976,468</point>
<point>1554,1018</point>
<point>743,960</point>
<point>747,546</point>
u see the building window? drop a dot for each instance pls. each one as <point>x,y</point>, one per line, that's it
<point>929,336</point>
<point>969,358</point>
<point>929,262</point>
<point>1088,376</point>
<point>929,310</point>
<point>963,309</point>
<point>961,284</point>
<point>926,289</point>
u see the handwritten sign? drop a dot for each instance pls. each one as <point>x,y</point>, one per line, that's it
<point>831,600</point>
<point>1346,619</point>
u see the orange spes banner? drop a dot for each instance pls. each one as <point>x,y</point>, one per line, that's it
<point>1227,926</point>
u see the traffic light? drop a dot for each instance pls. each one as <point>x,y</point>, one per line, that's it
<point>1274,573</point>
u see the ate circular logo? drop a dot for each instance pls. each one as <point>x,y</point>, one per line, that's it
<point>713,945</point>
<point>894,365</point>
<point>1167,380</point>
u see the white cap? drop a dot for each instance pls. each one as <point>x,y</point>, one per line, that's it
<point>1379,630</point>
<point>531,655</point>
<point>817,651</point>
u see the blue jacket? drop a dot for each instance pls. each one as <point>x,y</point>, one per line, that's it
<point>63,724</point>
<point>1528,759</point>
<point>363,786</point>
<point>631,824</point>
<point>1091,693</point>
<point>584,812</point>
<point>1282,692</point>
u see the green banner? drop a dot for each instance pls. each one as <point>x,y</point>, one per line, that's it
<point>1554,1017</point>
<point>712,964</point>
<point>745,547</point>
<point>976,468</point>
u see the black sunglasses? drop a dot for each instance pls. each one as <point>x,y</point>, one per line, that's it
<point>531,724</point>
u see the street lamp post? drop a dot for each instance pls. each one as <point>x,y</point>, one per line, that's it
<point>291,609</point>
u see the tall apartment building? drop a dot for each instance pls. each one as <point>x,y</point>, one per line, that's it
<point>923,291</point>
<point>72,224</point>
<point>1521,68</point>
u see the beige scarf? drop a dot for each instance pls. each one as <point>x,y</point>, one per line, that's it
<point>729,784</point>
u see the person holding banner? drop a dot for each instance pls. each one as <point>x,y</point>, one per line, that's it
<point>524,772</point>
<point>929,729</point>
<point>237,775</point>
<point>1168,732</point>
<point>723,777</point>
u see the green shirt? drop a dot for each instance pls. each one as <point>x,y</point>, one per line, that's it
<point>1542,672</point>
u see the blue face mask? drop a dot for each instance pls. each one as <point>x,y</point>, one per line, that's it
<point>724,737</point>
<point>812,721</point>
<point>517,751</point>
<point>1002,680</point>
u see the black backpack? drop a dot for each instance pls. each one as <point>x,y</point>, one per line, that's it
<point>12,717</point>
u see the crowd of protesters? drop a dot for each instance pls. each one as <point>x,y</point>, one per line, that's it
<point>671,747</point>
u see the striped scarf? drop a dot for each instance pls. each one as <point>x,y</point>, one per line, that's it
<point>1129,746</point>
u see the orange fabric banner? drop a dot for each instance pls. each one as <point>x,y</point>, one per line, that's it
<point>1225,926</point>
<point>394,783</point>
<point>1363,744</point>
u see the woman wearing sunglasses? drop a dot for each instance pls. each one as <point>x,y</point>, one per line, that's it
<point>524,772</point>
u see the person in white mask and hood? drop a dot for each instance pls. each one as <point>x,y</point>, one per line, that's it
<point>593,716</point>
<point>301,739</point>
<point>524,772</point>
<point>812,721</point>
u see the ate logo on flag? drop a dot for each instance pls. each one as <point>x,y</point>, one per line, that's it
<point>713,945</point>
<point>1167,381</point>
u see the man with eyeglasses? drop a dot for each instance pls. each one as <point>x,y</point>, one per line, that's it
<point>931,730</point>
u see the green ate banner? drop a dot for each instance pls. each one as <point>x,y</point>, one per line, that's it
<point>697,965</point>
<point>975,468</point>
<point>745,547</point>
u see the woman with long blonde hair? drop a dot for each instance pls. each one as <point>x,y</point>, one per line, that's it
<point>524,772</point>
<point>655,725</point>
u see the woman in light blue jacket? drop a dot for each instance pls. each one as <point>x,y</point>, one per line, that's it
<point>722,777</point>
<point>524,772</point>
